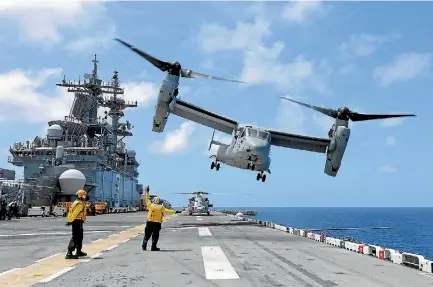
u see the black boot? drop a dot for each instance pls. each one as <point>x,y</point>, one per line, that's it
<point>69,255</point>
<point>144,245</point>
<point>154,248</point>
<point>81,253</point>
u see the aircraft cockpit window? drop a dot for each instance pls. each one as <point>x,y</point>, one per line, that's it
<point>242,133</point>
<point>264,135</point>
<point>252,133</point>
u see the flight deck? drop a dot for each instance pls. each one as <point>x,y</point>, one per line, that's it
<point>216,250</point>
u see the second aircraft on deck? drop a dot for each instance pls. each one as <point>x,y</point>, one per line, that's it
<point>250,145</point>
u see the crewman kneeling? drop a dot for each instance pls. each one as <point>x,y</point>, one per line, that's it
<point>155,214</point>
<point>76,218</point>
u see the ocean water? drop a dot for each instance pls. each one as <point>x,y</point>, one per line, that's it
<point>413,230</point>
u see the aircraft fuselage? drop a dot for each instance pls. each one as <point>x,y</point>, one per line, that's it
<point>244,155</point>
<point>250,149</point>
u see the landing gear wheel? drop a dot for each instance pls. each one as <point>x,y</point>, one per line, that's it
<point>218,166</point>
<point>258,176</point>
<point>264,178</point>
<point>212,165</point>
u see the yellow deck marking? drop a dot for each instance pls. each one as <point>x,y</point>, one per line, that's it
<point>36,272</point>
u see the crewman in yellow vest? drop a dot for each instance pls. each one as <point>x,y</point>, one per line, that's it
<point>76,218</point>
<point>155,214</point>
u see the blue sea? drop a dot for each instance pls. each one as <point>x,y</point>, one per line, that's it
<point>413,230</point>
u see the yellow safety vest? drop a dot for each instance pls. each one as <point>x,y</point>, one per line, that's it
<point>77,211</point>
<point>156,212</point>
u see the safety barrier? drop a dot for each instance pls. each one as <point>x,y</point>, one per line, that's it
<point>280,227</point>
<point>426,265</point>
<point>412,260</point>
<point>398,257</point>
<point>318,237</point>
<point>124,209</point>
<point>378,251</point>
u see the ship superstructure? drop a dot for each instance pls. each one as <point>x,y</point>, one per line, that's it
<point>84,148</point>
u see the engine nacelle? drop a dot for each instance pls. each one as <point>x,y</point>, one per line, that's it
<point>336,149</point>
<point>165,96</point>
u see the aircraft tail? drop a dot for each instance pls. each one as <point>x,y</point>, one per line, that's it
<point>212,141</point>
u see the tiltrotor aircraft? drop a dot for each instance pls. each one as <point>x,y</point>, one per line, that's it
<point>250,145</point>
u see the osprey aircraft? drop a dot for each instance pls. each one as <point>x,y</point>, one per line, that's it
<point>250,146</point>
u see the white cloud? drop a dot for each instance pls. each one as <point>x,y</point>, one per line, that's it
<point>100,39</point>
<point>290,117</point>
<point>387,168</point>
<point>300,11</point>
<point>263,66</point>
<point>363,44</point>
<point>22,99</point>
<point>262,63</point>
<point>47,22</point>
<point>175,141</point>
<point>390,141</point>
<point>144,93</point>
<point>324,122</point>
<point>392,122</point>
<point>404,67</point>
<point>216,38</point>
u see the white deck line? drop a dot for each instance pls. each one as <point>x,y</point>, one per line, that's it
<point>216,264</point>
<point>96,255</point>
<point>9,271</point>
<point>204,231</point>
<point>111,248</point>
<point>57,274</point>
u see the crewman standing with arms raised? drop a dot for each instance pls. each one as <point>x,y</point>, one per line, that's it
<point>76,218</point>
<point>155,213</point>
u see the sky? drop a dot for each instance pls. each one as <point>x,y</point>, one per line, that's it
<point>373,57</point>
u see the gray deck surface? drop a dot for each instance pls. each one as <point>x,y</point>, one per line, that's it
<point>260,256</point>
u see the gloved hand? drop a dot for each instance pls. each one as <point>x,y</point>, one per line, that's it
<point>68,223</point>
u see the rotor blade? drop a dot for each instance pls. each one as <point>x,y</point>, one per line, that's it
<point>163,66</point>
<point>191,74</point>
<point>356,117</point>
<point>329,112</point>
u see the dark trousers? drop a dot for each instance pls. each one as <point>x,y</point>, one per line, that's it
<point>151,229</point>
<point>77,236</point>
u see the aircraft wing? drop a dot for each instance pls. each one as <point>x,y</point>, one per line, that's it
<point>204,117</point>
<point>299,141</point>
